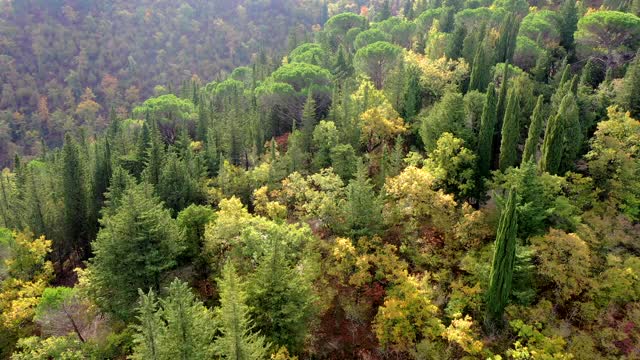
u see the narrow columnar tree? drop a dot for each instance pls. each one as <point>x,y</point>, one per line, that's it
<point>479,74</point>
<point>572,143</point>
<point>74,199</point>
<point>552,147</point>
<point>487,127</point>
<point>629,96</point>
<point>533,137</point>
<point>308,123</point>
<point>510,133</point>
<point>237,341</point>
<point>503,263</point>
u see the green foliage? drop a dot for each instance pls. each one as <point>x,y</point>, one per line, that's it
<point>503,263</point>
<point>510,132</point>
<point>140,236</point>
<point>238,341</point>
<point>609,34</point>
<point>446,116</point>
<point>75,207</point>
<point>376,60</point>
<point>453,166</point>
<point>364,208</point>
<point>629,96</point>
<point>535,128</point>
<point>487,128</point>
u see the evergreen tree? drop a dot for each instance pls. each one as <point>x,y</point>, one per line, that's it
<point>155,157</point>
<point>147,340</point>
<point>487,128</point>
<point>554,137</point>
<point>308,123</point>
<point>238,342</point>
<point>503,263</point>
<point>385,11</point>
<point>178,187</point>
<point>456,42</point>
<point>190,328</point>
<point>74,200</point>
<point>364,209</point>
<point>412,96</point>
<point>630,93</point>
<point>510,133</point>
<point>592,74</point>
<point>408,10</point>
<point>531,145</point>
<point>572,143</point>
<point>281,299</point>
<point>141,237</point>
<point>507,40</point>
<point>502,95</point>
<point>568,24</point>
<point>479,74</point>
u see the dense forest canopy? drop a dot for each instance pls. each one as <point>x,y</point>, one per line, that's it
<point>293,179</point>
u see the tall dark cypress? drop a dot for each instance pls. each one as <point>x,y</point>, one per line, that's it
<point>74,200</point>
<point>479,74</point>
<point>553,145</point>
<point>533,137</point>
<point>308,122</point>
<point>510,133</point>
<point>503,263</point>
<point>568,24</point>
<point>507,41</point>
<point>487,127</point>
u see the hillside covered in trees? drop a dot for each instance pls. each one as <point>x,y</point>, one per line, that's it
<point>320,180</point>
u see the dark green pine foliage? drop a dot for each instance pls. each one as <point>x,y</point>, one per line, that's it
<point>281,299</point>
<point>479,74</point>
<point>136,245</point>
<point>553,145</point>
<point>155,158</point>
<point>510,133</point>
<point>630,93</point>
<point>178,187</point>
<point>568,24</point>
<point>487,128</point>
<point>324,13</point>
<point>238,342</point>
<point>102,172</point>
<point>592,74</point>
<point>308,123</point>
<point>342,67</point>
<point>74,200</point>
<point>507,40</point>
<point>408,10</point>
<point>148,337</point>
<point>142,150</point>
<point>364,208</point>
<point>502,95</point>
<point>456,42</point>
<point>412,95</point>
<point>502,266</point>
<point>531,145</point>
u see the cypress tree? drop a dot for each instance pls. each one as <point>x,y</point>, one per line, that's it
<point>487,127</point>
<point>568,24</point>
<point>630,94</point>
<point>74,200</point>
<point>503,263</point>
<point>408,10</point>
<point>502,95</point>
<point>507,40</point>
<point>479,74</point>
<point>237,341</point>
<point>533,137</point>
<point>510,133</point>
<point>385,11</point>
<point>572,143</point>
<point>155,156</point>
<point>553,145</point>
<point>456,42</point>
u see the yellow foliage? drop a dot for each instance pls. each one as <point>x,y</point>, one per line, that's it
<point>461,332</point>
<point>380,124</point>
<point>437,74</point>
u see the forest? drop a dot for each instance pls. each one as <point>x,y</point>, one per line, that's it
<point>320,179</point>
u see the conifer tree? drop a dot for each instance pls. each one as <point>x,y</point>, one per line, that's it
<point>147,340</point>
<point>553,145</point>
<point>568,24</point>
<point>141,237</point>
<point>456,42</point>
<point>507,40</point>
<point>238,341</point>
<point>503,263</point>
<point>74,199</point>
<point>281,299</point>
<point>364,209</point>
<point>531,145</point>
<point>502,95</point>
<point>630,92</point>
<point>487,128</point>
<point>479,74</point>
<point>308,123</point>
<point>510,133</point>
<point>572,143</point>
<point>385,11</point>
<point>155,157</point>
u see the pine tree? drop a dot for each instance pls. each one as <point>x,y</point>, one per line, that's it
<point>189,328</point>
<point>592,74</point>
<point>553,145</point>
<point>503,263</point>
<point>281,299</point>
<point>141,237</point>
<point>237,342</point>
<point>74,200</point>
<point>149,332</point>
<point>531,145</point>
<point>510,133</point>
<point>630,92</point>
<point>364,209</point>
<point>385,11</point>
<point>155,157</point>
<point>412,95</point>
<point>487,128</point>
